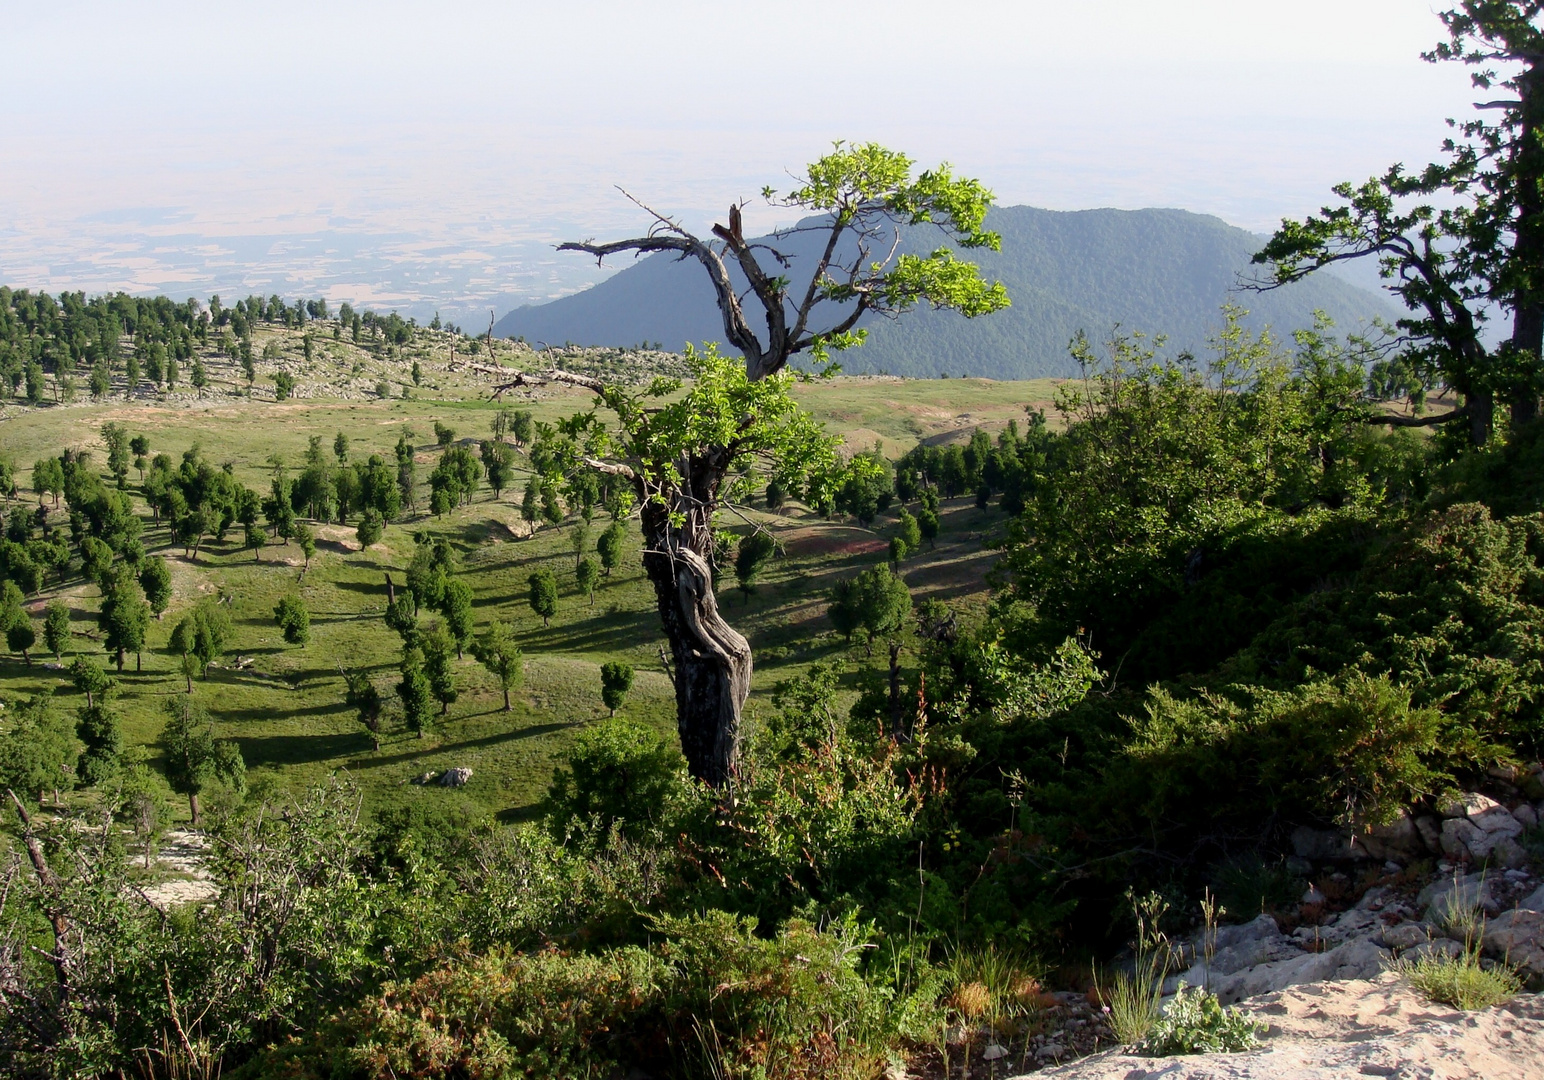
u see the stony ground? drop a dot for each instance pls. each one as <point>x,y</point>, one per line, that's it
<point>1339,1030</point>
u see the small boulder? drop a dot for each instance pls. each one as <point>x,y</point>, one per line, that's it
<point>1407,935</point>
<point>1509,853</point>
<point>1447,897</point>
<point>1517,936</point>
<point>1461,837</point>
<point>1467,804</point>
<point>1498,820</point>
<point>1435,947</point>
<point>1526,815</point>
<point>1534,901</point>
<point>1322,844</point>
<point>1398,839</point>
<point>1260,928</point>
<point>424,778</point>
<point>993,1052</point>
<point>455,777</point>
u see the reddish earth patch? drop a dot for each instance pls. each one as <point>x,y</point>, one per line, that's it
<point>823,543</point>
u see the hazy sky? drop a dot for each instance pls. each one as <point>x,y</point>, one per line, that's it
<point>425,156</point>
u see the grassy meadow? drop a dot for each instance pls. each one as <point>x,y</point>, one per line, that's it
<point>284,704</point>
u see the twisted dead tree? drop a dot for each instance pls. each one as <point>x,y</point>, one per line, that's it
<point>683,459</point>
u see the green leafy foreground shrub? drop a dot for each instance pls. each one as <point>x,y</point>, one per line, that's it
<point>1196,1023</point>
<point>709,999</point>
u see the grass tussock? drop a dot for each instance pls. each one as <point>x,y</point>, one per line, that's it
<point>1461,981</point>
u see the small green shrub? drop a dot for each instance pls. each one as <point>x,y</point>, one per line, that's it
<point>1459,980</point>
<point>1197,1023</point>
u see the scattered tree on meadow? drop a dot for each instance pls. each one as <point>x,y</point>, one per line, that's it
<point>496,650</point>
<point>255,539</point>
<point>402,616</point>
<point>56,628</point>
<point>498,464</point>
<point>293,619</point>
<point>199,639</point>
<point>371,525</point>
<point>155,578</point>
<point>544,594</point>
<point>97,726</point>
<point>609,546</point>
<point>139,446</point>
<point>752,555</point>
<point>456,606</point>
<point>414,691</point>
<point>616,679</point>
<point>429,572</point>
<point>362,696</point>
<point>439,669</point>
<point>307,541</point>
<point>927,525</point>
<point>586,576</point>
<point>38,749</point>
<point>123,618</point>
<point>909,532</point>
<point>19,633</point>
<point>530,509</point>
<point>876,602</point>
<point>194,758</point>
<point>579,541</point>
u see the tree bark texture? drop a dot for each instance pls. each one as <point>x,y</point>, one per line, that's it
<point>1528,249</point>
<point>712,661</point>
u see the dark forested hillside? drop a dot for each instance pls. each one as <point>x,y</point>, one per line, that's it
<point>1165,271</point>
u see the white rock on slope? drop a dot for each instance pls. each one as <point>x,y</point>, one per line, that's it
<point>1343,1030</point>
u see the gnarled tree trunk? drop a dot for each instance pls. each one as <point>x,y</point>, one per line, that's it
<point>712,661</point>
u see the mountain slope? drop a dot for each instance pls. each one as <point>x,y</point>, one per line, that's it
<point>1159,271</point>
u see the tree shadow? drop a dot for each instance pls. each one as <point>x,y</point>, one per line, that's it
<point>269,750</point>
<point>466,744</point>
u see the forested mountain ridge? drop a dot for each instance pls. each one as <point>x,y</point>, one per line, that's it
<point>1162,271</point>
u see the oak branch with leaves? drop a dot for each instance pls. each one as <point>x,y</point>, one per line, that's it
<point>1459,237</point>
<point>686,452</point>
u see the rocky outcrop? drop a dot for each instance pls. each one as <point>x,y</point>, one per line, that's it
<point>1470,828</point>
<point>1341,1030</point>
<point>1385,925</point>
<point>1257,958</point>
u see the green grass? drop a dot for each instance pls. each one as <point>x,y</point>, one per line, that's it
<point>1460,980</point>
<point>286,709</point>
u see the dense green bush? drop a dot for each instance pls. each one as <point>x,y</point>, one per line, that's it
<point>1351,750</point>
<point>620,774</point>
<point>709,999</point>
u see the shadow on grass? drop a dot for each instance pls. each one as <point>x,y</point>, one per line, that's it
<point>267,750</point>
<point>466,744</point>
<point>519,815</point>
<point>606,633</point>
